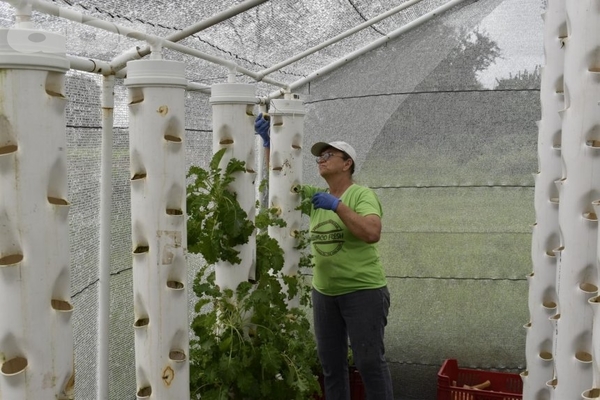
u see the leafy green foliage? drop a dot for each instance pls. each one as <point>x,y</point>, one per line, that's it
<point>305,205</point>
<point>216,222</point>
<point>303,236</point>
<point>249,343</point>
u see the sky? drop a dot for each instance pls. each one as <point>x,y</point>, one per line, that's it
<point>517,27</point>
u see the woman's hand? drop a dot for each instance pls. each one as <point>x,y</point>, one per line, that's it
<point>261,128</point>
<point>325,201</point>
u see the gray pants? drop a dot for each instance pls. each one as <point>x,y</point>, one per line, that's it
<point>361,317</point>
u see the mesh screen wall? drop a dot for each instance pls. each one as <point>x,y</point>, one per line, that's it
<point>448,141</point>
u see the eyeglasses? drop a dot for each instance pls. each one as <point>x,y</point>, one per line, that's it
<point>326,156</point>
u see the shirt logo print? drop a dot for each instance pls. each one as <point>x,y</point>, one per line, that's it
<point>327,238</point>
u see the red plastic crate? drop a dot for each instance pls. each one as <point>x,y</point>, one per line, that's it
<point>503,386</point>
<point>357,387</point>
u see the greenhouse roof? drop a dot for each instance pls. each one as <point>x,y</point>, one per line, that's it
<point>282,42</point>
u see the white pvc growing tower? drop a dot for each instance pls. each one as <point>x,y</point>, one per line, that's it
<point>36,344</point>
<point>287,131</point>
<point>233,129</point>
<point>157,113</point>
<point>546,235</point>
<point>589,15</point>
<point>579,187</point>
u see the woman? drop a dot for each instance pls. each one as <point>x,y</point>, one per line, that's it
<point>350,296</point>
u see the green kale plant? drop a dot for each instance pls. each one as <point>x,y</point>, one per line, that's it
<point>249,343</point>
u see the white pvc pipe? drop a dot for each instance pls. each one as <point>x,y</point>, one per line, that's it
<point>22,13</point>
<point>72,15</point>
<point>89,65</point>
<point>193,86</point>
<point>159,237</point>
<point>577,265</point>
<point>36,337</point>
<point>337,38</point>
<point>546,235</point>
<point>119,62</point>
<point>357,53</point>
<point>108,86</point>
<point>233,129</point>
<point>285,177</point>
<point>100,67</point>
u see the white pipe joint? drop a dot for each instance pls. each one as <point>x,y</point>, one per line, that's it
<point>287,132</point>
<point>159,237</point>
<point>36,336</point>
<point>233,129</point>
<point>156,47</point>
<point>231,76</point>
<point>22,13</point>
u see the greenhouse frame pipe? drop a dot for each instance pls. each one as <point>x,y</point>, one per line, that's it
<point>337,38</point>
<point>75,16</point>
<point>118,63</point>
<point>108,86</point>
<point>357,53</point>
<point>198,87</point>
<point>89,65</point>
<point>99,67</point>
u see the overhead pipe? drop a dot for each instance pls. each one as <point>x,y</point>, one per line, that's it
<point>108,105</point>
<point>197,87</point>
<point>543,300</point>
<point>357,53</point>
<point>101,67</point>
<point>118,63</point>
<point>233,129</point>
<point>285,177</point>
<point>157,160</point>
<point>72,15</point>
<point>577,266</point>
<point>36,335</point>
<point>337,38</point>
<point>89,65</point>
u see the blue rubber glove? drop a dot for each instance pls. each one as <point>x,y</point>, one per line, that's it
<point>326,201</point>
<point>261,128</point>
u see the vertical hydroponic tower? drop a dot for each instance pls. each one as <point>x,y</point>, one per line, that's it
<point>287,131</point>
<point>579,187</point>
<point>36,339</point>
<point>233,129</point>
<point>159,236</point>
<point>546,235</point>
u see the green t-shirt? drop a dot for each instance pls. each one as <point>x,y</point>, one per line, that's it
<point>342,262</point>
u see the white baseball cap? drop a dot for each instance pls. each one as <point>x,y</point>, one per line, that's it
<point>318,148</point>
